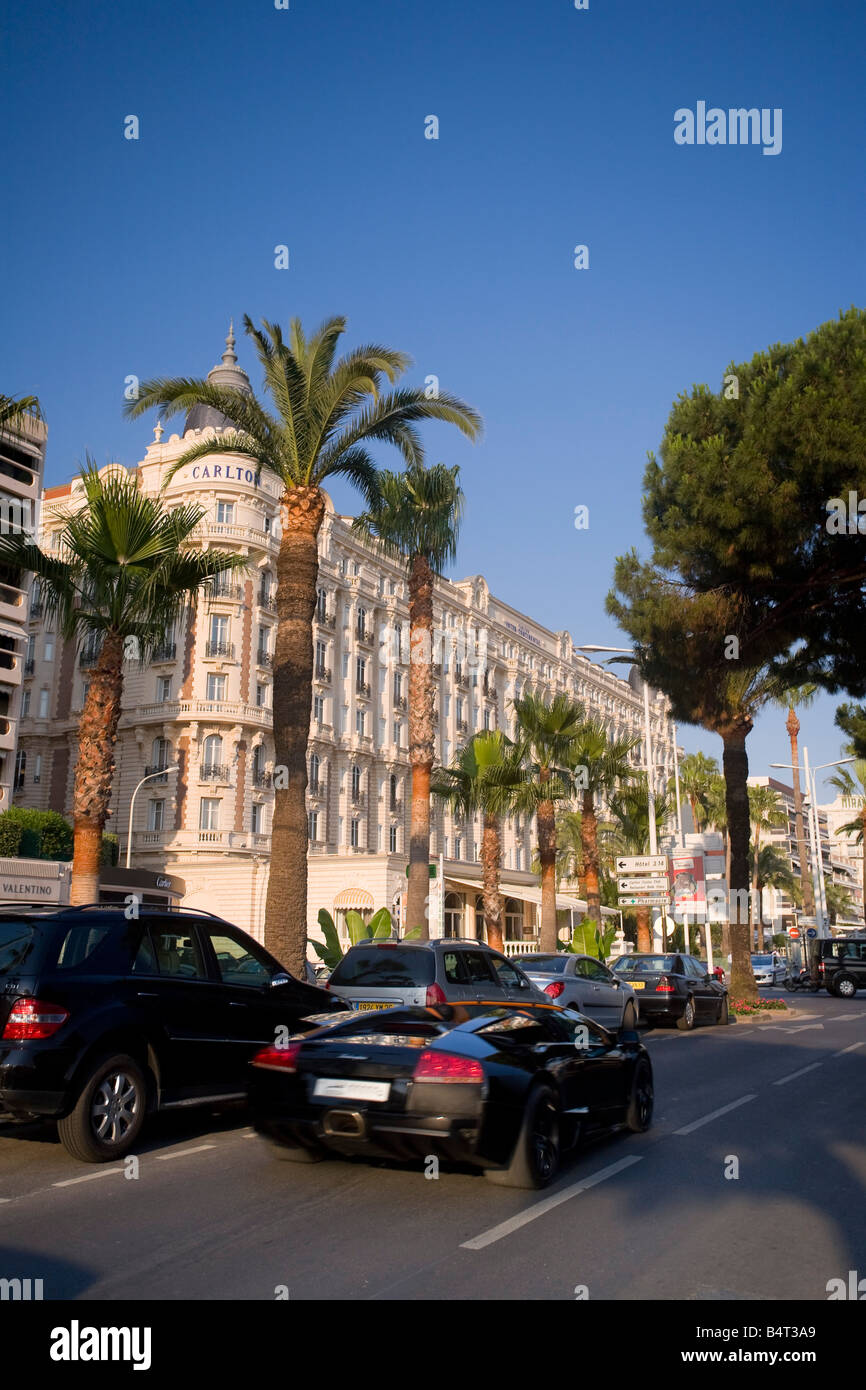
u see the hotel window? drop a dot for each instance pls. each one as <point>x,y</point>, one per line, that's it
<point>356,782</point>
<point>318,707</point>
<point>225,513</point>
<point>256,819</point>
<point>459,710</point>
<point>518,857</point>
<point>269,521</point>
<point>264,641</point>
<point>382,726</point>
<point>356,568</point>
<point>487,719</point>
<point>353,833</point>
<point>314,772</point>
<point>31,648</point>
<point>361,622</point>
<point>458,847</point>
<point>313,826</point>
<point>261,695</point>
<point>209,813</point>
<point>49,646</point>
<point>360,721</point>
<point>447,706</point>
<point>20,768</point>
<point>216,687</point>
<point>163,688</point>
<point>25,704</point>
<point>360,671</point>
<point>43,704</point>
<point>212,752</point>
<point>321,604</point>
<point>155,815</point>
<point>445,846</point>
<point>393,792</point>
<point>398,733</point>
<point>321,658</point>
<point>345,666</point>
<point>219,635</point>
<point>37,770</point>
<point>398,686</point>
<point>475,851</point>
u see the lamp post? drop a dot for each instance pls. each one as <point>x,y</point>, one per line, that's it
<point>818,883</point>
<point>163,772</point>
<point>628,654</point>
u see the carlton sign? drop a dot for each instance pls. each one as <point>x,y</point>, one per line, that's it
<point>224,473</point>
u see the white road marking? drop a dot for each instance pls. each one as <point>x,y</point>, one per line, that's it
<point>88,1177</point>
<point>507,1228</point>
<point>805,1028</point>
<point>844,1018</point>
<point>696,1124</point>
<point>852,1048</point>
<point>794,1074</point>
<point>182,1153</point>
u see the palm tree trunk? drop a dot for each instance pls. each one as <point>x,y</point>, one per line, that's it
<point>589,825</point>
<point>726,927</point>
<point>792,724</point>
<point>97,735</point>
<point>735,764</point>
<point>863,857</point>
<point>491,859</point>
<point>546,820</point>
<point>757,925</point>
<point>644,930</point>
<point>303,511</point>
<point>420,740</point>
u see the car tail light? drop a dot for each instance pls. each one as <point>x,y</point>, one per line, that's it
<point>554,989</point>
<point>278,1058</point>
<point>664,986</point>
<point>435,995</point>
<point>447,1066</point>
<point>820,967</point>
<point>33,1018</point>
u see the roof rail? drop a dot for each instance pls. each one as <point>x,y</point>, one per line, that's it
<point>62,909</point>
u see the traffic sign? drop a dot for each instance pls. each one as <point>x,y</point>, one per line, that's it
<point>811,932</point>
<point>653,883</point>
<point>794,933</point>
<point>642,864</point>
<point>645,900</point>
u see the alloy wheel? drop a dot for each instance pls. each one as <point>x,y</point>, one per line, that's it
<point>114,1107</point>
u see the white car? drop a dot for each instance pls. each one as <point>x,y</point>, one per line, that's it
<point>769,969</point>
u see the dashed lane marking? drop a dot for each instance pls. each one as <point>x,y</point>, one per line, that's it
<point>853,1048</point>
<point>714,1115</point>
<point>507,1228</point>
<point>794,1074</point>
<point>182,1153</point>
<point>88,1177</point>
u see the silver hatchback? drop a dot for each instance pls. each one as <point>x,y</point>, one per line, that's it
<point>382,974</point>
<point>586,984</point>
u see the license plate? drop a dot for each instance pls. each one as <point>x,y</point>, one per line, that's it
<point>338,1089</point>
<point>372,1004</point>
<point>637,984</point>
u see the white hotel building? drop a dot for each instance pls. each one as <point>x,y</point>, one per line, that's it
<point>205,703</point>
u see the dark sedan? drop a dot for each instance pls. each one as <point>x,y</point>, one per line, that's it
<point>505,1088</point>
<point>674,988</point>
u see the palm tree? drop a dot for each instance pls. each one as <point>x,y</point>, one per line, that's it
<point>717,816</point>
<point>545,737</point>
<point>483,778</point>
<point>790,699</point>
<point>416,516</point>
<point>774,870</point>
<point>764,814</point>
<point>15,412</point>
<point>569,846</point>
<point>327,411</point>
<point>629,834</point>
<point>124,574</point>
<point>599,763</point>
<point>696,774</point>
<point>838,900</point>
<point>850,781</point>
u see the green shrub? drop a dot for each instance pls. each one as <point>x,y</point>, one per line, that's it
<point>11,831</point>
<point>110,852</point>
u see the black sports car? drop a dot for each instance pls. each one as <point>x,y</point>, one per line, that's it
<point>506,1088</point>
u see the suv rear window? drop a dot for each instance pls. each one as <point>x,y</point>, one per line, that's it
<point>377,967</point>
<point>80,943</point>
<point>17,940</point>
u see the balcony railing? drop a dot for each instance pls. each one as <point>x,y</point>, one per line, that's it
<point>30,666</point>
<point>262,779</point>
<point>462,726</point>
<point>358,798</point>
<point>165,652</point>
<point>396,808</point>
<point>268,598</point>
<point>318,789</point>
<point>401,702</point>
<point>264,659</point>
<point>325,619</point>
<point>364,635</point>
<point>233,592</point>
<point>36,609</point>
<point>213,772</point>
<point>219,649</point>
<point>89,656</point>
<point>362,688</point>
<point>157,768</point>
<point>323,673</point>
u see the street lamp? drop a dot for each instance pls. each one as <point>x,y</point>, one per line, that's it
<point>163,772</point>
<point>815,834</point>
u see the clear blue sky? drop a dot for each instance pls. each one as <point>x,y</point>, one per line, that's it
<point>305,127</point>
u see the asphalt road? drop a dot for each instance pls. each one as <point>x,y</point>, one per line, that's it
<point>211,1215</point>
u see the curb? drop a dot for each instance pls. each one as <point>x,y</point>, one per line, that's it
<point>766,1016</point>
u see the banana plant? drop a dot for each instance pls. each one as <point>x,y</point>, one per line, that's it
<point>379,928</point>
<point>587,940</point>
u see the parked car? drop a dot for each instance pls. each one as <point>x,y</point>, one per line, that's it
<point>506,1088</point>
<point>769,969</point>
<point>674,987</point>
<point>380,974</point>
<point>842,965</point>
<point>103,1019</point>
<point>584,983</point>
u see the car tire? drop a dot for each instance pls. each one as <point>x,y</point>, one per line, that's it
<point>639,1115</point>
<point>689,1016</point>
<point>629,1016</point>
<point>724,1013</point>
<point>845,986</point>
<point>295,1153</point>
<point>109,1113</point>
<point>535,1160</point>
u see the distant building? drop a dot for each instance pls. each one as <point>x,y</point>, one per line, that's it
<point>837,862</point>
<point>205,703</point>
<point>22,459</point>
<point>847,853</point>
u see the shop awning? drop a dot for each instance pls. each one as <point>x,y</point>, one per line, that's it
<point>354,899</point>
<point>527,893</point>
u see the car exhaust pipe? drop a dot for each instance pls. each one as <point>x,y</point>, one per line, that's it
<point>349,1123</point>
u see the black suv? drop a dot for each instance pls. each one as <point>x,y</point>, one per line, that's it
<point>842,965</point>
<point>103,1018</point>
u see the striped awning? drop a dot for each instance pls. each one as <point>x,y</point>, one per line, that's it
<point>354,899</point>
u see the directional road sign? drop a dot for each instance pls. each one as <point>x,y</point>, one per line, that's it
<point>645,900</point>
<point>654,883</point>
<point>642,864</point>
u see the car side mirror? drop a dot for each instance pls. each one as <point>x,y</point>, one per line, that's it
<point>281,978</point>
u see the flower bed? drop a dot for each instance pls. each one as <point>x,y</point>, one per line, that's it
<point>743,1007</point>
